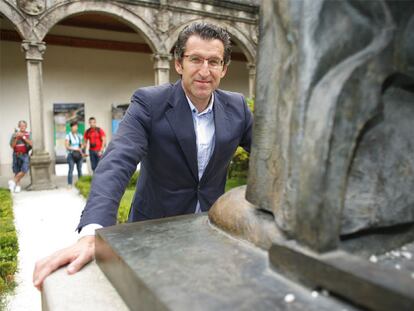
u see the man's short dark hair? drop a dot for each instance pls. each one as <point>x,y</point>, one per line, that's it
<point>92,118</point>
<point>73,123</point>
<point>205,31</point>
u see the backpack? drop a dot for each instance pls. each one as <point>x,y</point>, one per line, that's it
<point>97,129</point>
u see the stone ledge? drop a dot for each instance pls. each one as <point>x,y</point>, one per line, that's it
<point>88,289</point>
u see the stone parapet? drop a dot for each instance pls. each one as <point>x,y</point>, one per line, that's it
<point>86,290</point>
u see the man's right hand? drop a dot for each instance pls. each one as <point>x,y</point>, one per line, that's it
<point>77,255</point>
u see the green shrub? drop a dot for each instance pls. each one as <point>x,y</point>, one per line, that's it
<point>84,185</point>
<point>133,181</point>
<point>7,269</point>
<point>239,165</point>
<point>9,247</point>
<point>125,205</point>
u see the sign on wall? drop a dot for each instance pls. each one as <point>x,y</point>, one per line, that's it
<point>63,115</point>
<point>118,113</point>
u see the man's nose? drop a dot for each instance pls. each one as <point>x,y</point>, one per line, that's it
<point>204,69</point>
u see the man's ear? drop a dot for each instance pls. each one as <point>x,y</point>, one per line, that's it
<point>224,71</point>
<point>178,67</point>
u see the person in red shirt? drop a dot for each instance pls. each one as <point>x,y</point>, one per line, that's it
<point>96,138</point>
<point>21,145</point>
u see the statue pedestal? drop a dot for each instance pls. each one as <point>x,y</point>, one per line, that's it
<point>185,263</point>
<point>40,172</point>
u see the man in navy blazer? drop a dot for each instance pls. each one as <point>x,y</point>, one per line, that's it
<point>183,134</point>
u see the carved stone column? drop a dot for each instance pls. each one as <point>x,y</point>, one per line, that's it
<point>40,159</point>
<point>252,79</point>
<point>162,68</point>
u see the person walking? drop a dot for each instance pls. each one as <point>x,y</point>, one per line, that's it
<point>21,144</point>
<point>74,145</point>
<point>96,138</point>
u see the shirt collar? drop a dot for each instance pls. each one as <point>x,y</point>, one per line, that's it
<point>207,110</point>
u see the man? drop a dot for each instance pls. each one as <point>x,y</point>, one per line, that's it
<point>21,144</point>
<point>97,142</point>
<point>184,135</point>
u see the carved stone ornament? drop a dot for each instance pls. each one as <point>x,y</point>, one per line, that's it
<point>32,7</point>
<point>163,20</point>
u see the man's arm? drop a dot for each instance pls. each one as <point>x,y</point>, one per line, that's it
<point>86,140</point>
<point>28,141</point>
<point>128,146</point>
<point>13,141</point>
<point>124,152</point>
<point>103,141</point>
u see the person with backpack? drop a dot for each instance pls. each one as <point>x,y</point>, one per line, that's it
<point>74,145</point>
<point>21,144</point>
<point>97,142</point>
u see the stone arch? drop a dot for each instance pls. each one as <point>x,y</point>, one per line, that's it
<point>243,42</point>
<point>66,9</point>
<point>16,17</point>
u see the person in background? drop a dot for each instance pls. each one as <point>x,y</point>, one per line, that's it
<point>74,145</point>
<point>21,144</point>
<point>97,142</point>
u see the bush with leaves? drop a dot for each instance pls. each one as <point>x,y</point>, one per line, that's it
<point>9,247</point>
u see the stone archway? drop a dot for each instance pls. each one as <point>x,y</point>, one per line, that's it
<point>17,18</point>
<point>64,10</point>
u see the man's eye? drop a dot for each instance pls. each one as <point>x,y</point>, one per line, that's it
<point>214,62</point>
<point>196,60</point>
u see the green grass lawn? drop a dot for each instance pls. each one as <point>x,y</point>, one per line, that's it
<point>84,186</point>
<point>8,245</point>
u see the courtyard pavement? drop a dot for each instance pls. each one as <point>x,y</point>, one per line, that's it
<point>45,222</point>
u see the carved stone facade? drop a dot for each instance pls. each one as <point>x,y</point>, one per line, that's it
<point>157,21</point>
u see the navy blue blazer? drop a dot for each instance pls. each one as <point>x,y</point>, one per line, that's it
<point>158,131</point>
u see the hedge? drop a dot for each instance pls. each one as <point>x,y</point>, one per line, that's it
<point>9,247</point>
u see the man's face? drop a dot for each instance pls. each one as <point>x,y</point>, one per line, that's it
<point>200,80</point>
<point>22,126</point>
<point>92,123</point>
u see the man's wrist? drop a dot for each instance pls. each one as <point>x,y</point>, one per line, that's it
<point>89,230</point>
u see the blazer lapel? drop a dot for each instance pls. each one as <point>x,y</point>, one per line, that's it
<point>181,122</point>
<point>221,131</point>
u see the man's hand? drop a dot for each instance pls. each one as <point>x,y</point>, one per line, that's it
<point>77,255</point>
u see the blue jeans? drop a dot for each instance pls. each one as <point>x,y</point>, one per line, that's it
<point>71,163</point>
<point>20,163</point>
<point>94,156</point>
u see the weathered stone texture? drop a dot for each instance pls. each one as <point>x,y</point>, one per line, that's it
<point>317,93</point>
<point>381,181</point>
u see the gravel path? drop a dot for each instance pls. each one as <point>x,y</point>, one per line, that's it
<point>45,222</point>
